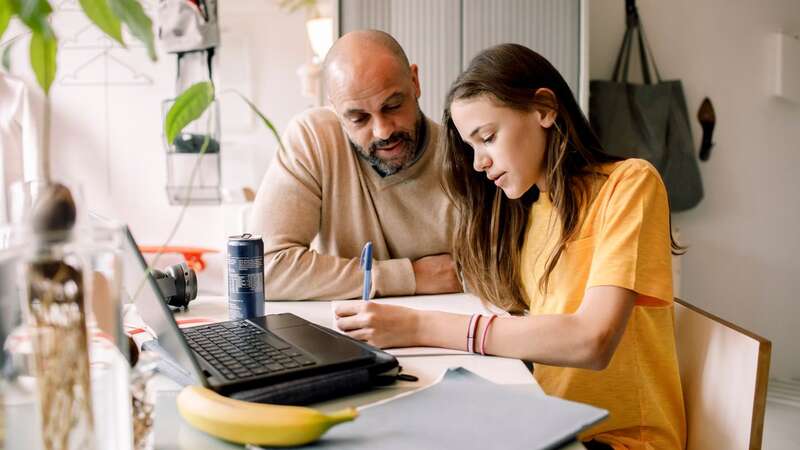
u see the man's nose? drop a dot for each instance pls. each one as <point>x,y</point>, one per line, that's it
<point>382,128</point>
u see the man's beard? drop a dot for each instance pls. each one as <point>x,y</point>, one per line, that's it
<point>410,145</point>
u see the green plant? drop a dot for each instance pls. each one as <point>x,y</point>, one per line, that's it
<point>194,101</point>
<point>188,107</point>
<point>109,16</point>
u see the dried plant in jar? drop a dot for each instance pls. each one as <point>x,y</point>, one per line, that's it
<point>57,322</point>
<point>143,400</point>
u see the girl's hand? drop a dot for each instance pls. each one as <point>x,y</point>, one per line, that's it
<point>383,326</point>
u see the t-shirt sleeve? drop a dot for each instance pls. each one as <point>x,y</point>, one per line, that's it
<point>632,249</point>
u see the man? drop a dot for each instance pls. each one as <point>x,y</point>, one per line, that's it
<point>366,169</point>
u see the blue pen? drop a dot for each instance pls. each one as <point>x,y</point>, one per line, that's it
<point>366,264</point>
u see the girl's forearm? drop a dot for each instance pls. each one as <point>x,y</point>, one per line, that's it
<point>559,340</point>
<point>440,329</point>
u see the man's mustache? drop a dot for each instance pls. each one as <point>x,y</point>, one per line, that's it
<point>393,139</point>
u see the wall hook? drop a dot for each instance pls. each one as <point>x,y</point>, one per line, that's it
<point>707,119</point>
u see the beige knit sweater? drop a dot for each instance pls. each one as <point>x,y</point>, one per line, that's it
<point>319,203</point>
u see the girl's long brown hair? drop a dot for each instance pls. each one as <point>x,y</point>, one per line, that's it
<point>490,228</point>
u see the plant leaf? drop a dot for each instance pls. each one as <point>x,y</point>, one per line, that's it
<point>262,117</point>
<point>100,13</point>
<point>34,14</point>
<point>130,12</point>
<point>190,105</point>
<point>43,58</point>
<point>5,15</point>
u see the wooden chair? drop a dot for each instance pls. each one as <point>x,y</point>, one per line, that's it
<point>724,370</point>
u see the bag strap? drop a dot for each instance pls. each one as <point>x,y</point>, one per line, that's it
<point>643,38</point>
<point>623,52</point>
<point>643,57</point>
<point>633,25</point>
<point>627,60</point>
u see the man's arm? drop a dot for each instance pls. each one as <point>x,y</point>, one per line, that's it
<point>436,274</point>
<point>287,213</point>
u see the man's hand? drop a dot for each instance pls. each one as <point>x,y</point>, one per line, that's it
<point>436,275</point>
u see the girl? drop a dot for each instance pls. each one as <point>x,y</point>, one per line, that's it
<point>571,241</point>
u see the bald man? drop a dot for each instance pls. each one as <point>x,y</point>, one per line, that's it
<point>365,169</point>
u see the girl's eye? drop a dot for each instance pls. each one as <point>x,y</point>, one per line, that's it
<point>489,139</point>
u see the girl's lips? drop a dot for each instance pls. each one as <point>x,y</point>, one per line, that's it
<point>498,181</point>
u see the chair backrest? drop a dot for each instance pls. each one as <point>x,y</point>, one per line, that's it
<point>724,370</point>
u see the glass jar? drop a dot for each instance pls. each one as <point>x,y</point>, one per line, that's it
<point>194,171</point>
<point>65,377</point>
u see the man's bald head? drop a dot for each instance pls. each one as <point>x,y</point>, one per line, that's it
<point>374,91</point>
<point>356,49</point>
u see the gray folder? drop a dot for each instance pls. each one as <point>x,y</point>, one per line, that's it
<point>465,411</point>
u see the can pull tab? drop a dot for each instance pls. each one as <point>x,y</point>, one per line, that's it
<point>247,236</point>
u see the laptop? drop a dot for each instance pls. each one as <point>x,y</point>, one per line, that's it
<point>277,358</point>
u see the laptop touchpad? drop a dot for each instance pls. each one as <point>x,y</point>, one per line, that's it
<point>325,348</point>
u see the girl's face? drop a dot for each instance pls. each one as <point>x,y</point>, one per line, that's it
<point>508,145</point>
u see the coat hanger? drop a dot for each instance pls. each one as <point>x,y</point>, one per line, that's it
<point>79,77</point>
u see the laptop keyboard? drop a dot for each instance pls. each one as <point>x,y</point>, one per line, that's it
<point>240,350</point>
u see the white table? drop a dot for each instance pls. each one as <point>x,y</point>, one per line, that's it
<point>172,433</point>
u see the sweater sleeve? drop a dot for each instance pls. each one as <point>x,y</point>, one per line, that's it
<point>287,213</point>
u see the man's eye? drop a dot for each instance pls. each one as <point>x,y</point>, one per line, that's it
<point>359,119</point>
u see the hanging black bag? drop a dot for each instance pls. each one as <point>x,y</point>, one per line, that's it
<point>648,121</point>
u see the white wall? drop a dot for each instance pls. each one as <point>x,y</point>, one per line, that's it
<point>109,138</point>
<point>743,238</point>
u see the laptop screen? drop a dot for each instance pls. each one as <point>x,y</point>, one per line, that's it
<point>150,304</point>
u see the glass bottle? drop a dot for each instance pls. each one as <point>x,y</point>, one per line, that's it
<point>193,157</point>
<point>55,311</point>
<point>65,370</point>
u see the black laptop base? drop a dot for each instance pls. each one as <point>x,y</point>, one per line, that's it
<point>282,359</point>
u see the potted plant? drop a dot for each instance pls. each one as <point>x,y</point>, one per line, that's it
<point>109,16</point>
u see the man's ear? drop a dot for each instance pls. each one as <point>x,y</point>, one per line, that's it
<point>546,104</point>
<point>415,79</point>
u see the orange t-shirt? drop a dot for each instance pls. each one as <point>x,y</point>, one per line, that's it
<point>623,240</point>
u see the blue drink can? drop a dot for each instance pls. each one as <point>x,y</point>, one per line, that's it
<point>245,276</point>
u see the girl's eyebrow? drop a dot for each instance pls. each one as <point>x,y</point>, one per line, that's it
<point>478,128</point>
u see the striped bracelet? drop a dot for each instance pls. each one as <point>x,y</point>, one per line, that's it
<point>485,333</point>
<point>471,333</point>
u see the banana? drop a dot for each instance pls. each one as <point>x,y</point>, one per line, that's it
<point>255,423</point>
